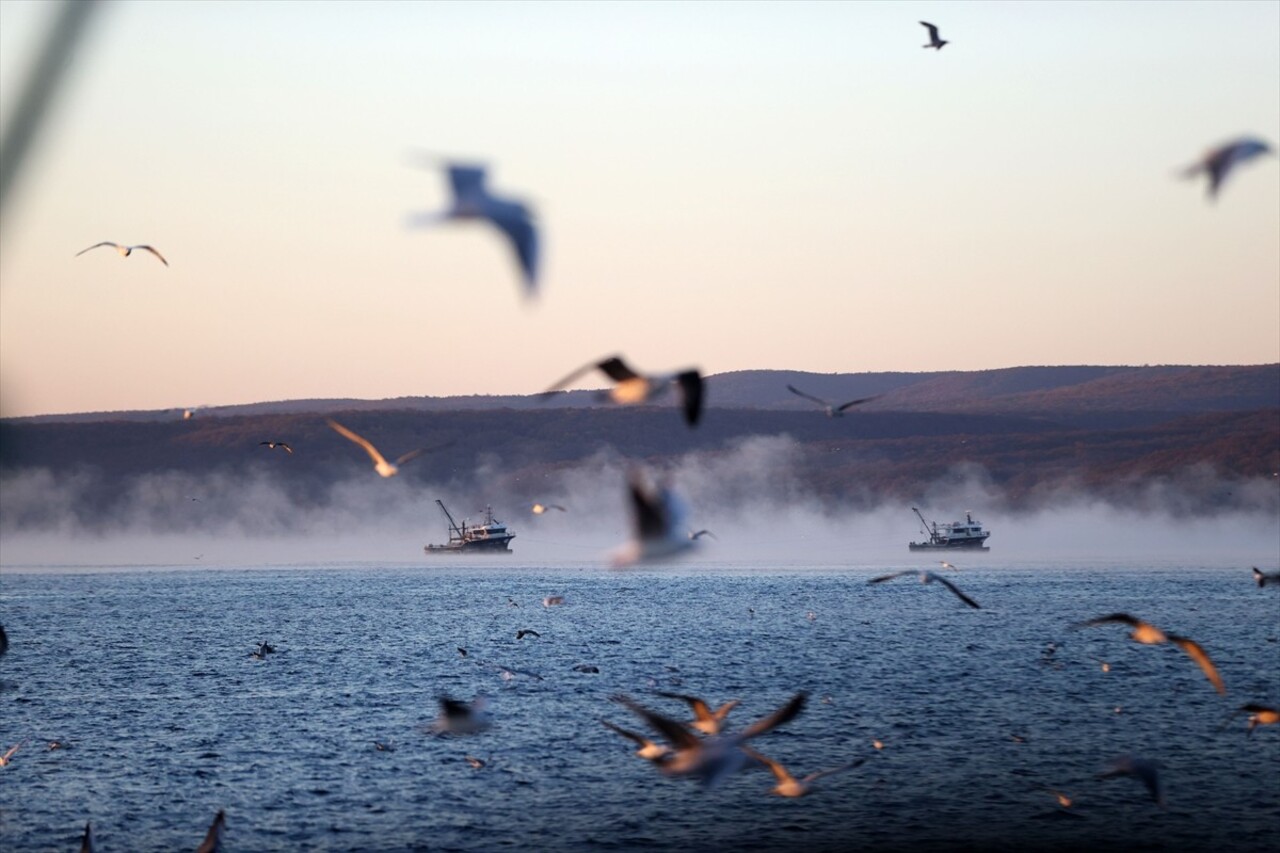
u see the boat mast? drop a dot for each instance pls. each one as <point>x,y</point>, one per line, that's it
<point>923,521</point>
<point>453,525</point>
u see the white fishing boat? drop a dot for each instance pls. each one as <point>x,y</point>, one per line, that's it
<point>967,535</point>
<point>488,537</point>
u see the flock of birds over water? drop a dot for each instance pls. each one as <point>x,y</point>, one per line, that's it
<point>705,747</point>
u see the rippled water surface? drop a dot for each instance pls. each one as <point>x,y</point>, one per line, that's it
<point>147,676</point>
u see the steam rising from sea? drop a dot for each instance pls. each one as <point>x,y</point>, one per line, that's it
<point>750,496</point>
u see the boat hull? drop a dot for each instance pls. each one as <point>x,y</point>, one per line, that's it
<point>947,546</point>
<point>497,545</point>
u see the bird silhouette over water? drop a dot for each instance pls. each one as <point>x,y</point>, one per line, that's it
<point>1148,634</point>
<point>473,201</point>
<point>381,465</point>
<point>632,388</point>
<point>927,576</point>
<point>705,720</point>
<point>213,839</point>
<point>125,251</point>
<point>934,41</point>
<point>1144,770</point>
<point>1262,578</point>
<point>459,718</point>
<point>1220,162</point>
<point>657,524</point>
<point>788,785</point>
<point>832,411</point>
<point>1259,715</point>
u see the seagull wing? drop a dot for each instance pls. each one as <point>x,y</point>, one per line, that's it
<point>815,776</point>
<point>154,252</point>
<point>514,221</point>
<point>858,402</point>
<point>690,382</point>
<point>777,718</point>
<point>889,577</point>
<point>96,245</point>
<point>949,585</point>
<point>638,739</point>
<point>368,448</point>
<point>412,454</point>
<point>1198,654</point>
<point>649,512</point>
<point>587,368</point>
<point>700,709</point>
<point>213,840</point>
<point>617,369</point>
<point>799,393</point>
<point>933,31</point>
<point>675,732</point>
<point>466,181</point>
<point>1123,618</point>
<point>779,772</point>
<point>86,841</point>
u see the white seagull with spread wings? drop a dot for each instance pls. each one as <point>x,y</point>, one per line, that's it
<point>124,251</point>
<point>381,465</point>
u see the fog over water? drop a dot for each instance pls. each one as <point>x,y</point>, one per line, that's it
<point>750,497</point>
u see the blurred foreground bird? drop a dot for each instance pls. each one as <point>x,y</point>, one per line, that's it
<point>647,749</point>
<point>8,756</point>
<point>832,411</point>
<point>934,41</point>
<point>631,388</point>
<point>657,524</point>
<point>381,465</point>
<point>705,720</point>
<point>1148,634</point>
<point>458,718</point>
<point>1144,770</point>
<point>213,840</point>
<point>272,445</point>
<point>539,509</point>
<point>1262,578</point>
<point>472,200</point>
<point>125,251</point>
<point>86,840</point>
<point>927,576</point>
<point>1259,715</point>
<point>790,786</point>
<point>1220,162</point>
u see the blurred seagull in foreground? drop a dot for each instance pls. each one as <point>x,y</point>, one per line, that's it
<point>648,750</point>
<point>711,759</point>
<point>1219,162</point>
<point>1259,715</point>
<point>472,200</point>
<point>213,840</point>
<point>1142,769</point>
<point>832,411</point>
<point>539,509</point>
<point>631,388</point>
<point>705,720</point>
<point>934,41</point>
<point>657,524</point>
<point>381,465</point>
<point>929,577</point>
<point>1150,635</point>
<point>125,251</point>
<point>457,718</point>
<point>1262,578</point>
<point>790,786</point>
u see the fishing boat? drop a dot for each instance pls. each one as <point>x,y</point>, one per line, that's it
<point>488,537</point>
<point>967,534</point>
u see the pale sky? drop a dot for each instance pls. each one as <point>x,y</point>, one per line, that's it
<point>726,185</point>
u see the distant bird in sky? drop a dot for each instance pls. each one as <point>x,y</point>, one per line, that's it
<point>657,524</point>
<point>711,759</point>
<point>698,534</point>
<point>381,465</point>
<point>631,388</point>
<point>929,577</point>
<point>934,41</point>
<point>272,445</point>
<point>1262,578</point>
<point>705,720</point>
<point>472,200</point>
<point>1219,162</point>
<point>1144,770</point>
<point>1259,715</point>
<point>1148,634</point>
<point>124,251</point>
<point>458,718</point>
<point>832,410</point>
<point>213,840</point>
<point>790,786</point>
<point>539,509</point>
<point>647,749</point>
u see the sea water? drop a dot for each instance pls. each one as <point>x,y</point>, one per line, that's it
<point>146,675</point>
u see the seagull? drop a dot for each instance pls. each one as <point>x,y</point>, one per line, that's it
<point>1142,769</point>
<point>927,576</point>
<point>539,509</point>
<point>1148,634</point>
<point>832,411</point>
<point>631,388</point>
<point>213,840</point>
<point>381,465</point>
<point>1262,578</point>
<point>476,763</point>
<point>8,756</point>
<point>711,759</point>
<point>272,445</point>
<point>705,720</point>
<point>462,651</point>
<point>700,533</point>
<point>457,718</point>
<point>124,251</point>
<point>648,750</point>
<point>1219,162</point>
<point>526,632</point>
<point>472,200</point>
<point>934,41</point>
<point>1259,715</point>
<point>384,747</point>
<point>657,517</point>
<point>551,601</point>
<point>788,785</point>
<point>947,565</point>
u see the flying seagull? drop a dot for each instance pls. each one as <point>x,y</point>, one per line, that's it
<point>1148,634</point>
<point>832,411</point>
<point>711,759</point>
<point>790,786</point>
<point>1142,769</point>
<point>526,632</point>
<point>457,718</point>
<point>631,388</point>
<point>381,465</point>
<point>539,509</point>
<point>1259,715</point>
<point>657,524</point>
<point>274,444</point>
<point>934,41</point>
<point>698,534</point>
<point>472,200</point>
<point>1262,578</point>
<point>1219,162</point>
<point>927,576</point>
<point>124,251</point>
<point>647,749</point>
<point>705,720</point>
